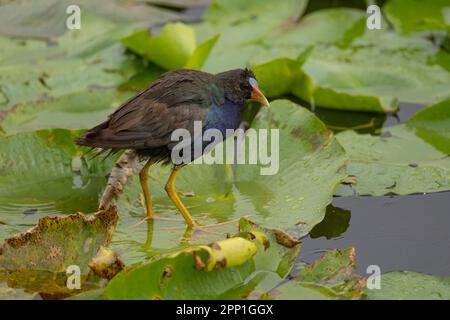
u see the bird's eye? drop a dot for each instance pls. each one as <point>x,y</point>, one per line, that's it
<point>253,83</point>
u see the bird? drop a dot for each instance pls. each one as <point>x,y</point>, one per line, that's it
<point>175,100</point>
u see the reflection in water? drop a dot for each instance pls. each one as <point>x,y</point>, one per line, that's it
<point>334,224</point>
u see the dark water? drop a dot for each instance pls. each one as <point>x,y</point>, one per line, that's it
<point>393,232</point>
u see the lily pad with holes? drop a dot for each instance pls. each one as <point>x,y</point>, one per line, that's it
<point>38,259</point>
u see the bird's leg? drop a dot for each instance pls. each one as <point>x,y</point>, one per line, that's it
<point>143,178</point>
<point>170,188</point>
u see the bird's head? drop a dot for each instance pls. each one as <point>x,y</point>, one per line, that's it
<point>240,85</point>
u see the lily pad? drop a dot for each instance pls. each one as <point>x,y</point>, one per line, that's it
<point>82,59</point>
<point>400,161</point>
<point>32,19</point>
<point>276,76</point>
<point>432,124</point>
<point>143,78</point>
<point>39,258</point>
<point>416,15</point>
<point>47,18</point>
<point>173,48</point>
<point>351,68</point>
<point>243,27</point>
<point>75,110</point>
<point>228,269</point>
<point>406,285</point>
<point>368,77</point>
<point>57,242</point>
<point>201,53</point>
<point>330,277</point>
<point>335,26</point>
<point>348,70</point>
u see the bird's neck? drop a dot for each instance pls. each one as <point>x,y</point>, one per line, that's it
<point>225,116</point>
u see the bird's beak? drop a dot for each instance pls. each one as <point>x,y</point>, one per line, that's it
<point>258,96</point>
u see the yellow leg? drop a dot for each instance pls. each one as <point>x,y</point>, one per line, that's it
<point>143,178</point>
<point>170,188</point>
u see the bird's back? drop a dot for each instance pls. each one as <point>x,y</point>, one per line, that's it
<point>175,100</point>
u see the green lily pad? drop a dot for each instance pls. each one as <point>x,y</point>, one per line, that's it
<point>335,26</point>
<point>200,54</point>
<point>228,269</point>
<point>432,124</point>
<point>128,13</point>
<point>143,78</point>
<point>47,18</point>
<point>351,68</point>
<point>32,19</point>
<point>330,277</point>
<point>406,285</point>
<point>372,77</point>
<point>176,39</point>
<point>82,59</point>
<point>276,76</point>
<point>243,28</point>
<point>173,48</point>
<point>236,12</point>
<point>416,15</point>
<point>75,110</point>
<point>405,159</point>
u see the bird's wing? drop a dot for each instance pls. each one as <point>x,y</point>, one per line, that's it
<point>174,101</point>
